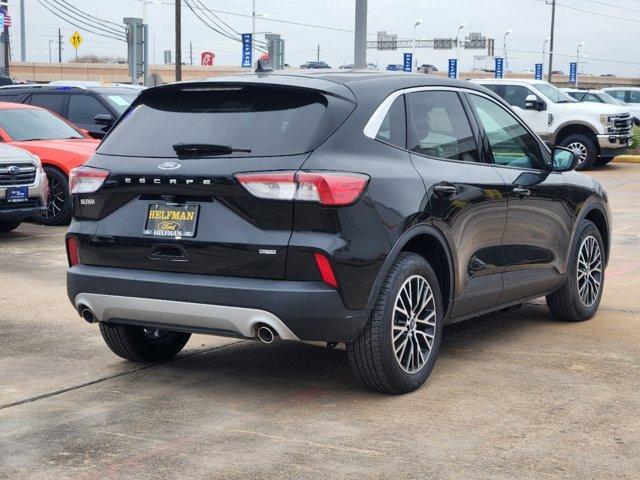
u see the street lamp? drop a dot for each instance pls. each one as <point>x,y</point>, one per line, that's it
<point>580,45</point>
<point>413,44</point>
<point>504,50</point>
<point>460,28</point>
<point>253,27</point>
<point>144,8</point>
<point>544,51</point>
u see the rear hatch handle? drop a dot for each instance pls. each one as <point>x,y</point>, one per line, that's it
<point>169,252</point>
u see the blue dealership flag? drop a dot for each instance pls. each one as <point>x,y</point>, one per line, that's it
<point>499,67</point>
<point>538,71</point>
<point>453,68</point>
<point>573,72</point>
<point>247,61</point>
<point>408,62</point>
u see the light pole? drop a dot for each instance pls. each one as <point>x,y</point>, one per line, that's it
<point>253,28</point>
<point>460,28</point>
<point>544,51</point>
<point>580,45</point>
<point>504,50</point>
<point>144,8</point>
<point>413,45</point>
<point>50,42</point>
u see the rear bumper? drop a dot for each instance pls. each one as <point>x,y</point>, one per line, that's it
<point>297,310</point>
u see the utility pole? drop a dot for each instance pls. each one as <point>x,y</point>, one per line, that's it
<point>190,53</point>
<point>253,31</point>
<point>59,46</point>
<point>23,41</point>
<point>553,28</point>
<point>178,40</point>
<point>7,50</point>
<point>360,37</point>
<point>318,54</point>
<point>50,58</point>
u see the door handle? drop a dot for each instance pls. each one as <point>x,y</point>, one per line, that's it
<point>445,190</point>
<point>522,192</point>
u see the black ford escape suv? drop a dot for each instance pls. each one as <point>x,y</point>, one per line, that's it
<point>364,208</point>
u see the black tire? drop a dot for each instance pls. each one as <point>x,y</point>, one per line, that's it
<point>60,208</point>
<point>135,344</point>
<point>602,161</point>
<point>566,304</point>
<point>8,226</point>
<point>586,144</point>
<point>372,354</point>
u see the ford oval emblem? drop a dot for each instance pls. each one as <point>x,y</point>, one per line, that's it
<point>169,166</point>
<point>13,170</point>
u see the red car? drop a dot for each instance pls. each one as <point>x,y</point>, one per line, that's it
<point>60,145</point>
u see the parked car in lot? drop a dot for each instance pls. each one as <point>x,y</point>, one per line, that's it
<point>395,67</point>
<point>23,187</point>
<point>600,96</point>
<point>60,145</point>
<point>94,109</point>
<point>369,209</point>
<point>598,132</point>
<point>630,95</point>
<point>315,64</point>
<point>427,68</point>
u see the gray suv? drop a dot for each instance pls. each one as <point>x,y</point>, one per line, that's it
<point>23,187</point>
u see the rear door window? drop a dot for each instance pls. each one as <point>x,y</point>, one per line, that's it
<point>634,96</point>
<point>438,126</point>
<point>83,109</point>
<point>51,101</point>
<point>619,94</point>
<point>257,120</point>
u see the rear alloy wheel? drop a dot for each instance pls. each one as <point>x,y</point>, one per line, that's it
<point>59,207</point>
<point>580,296</point>
<point>396,351</point>
<point>584,148</point>
<point>8,226</point>
<point>143,345</point>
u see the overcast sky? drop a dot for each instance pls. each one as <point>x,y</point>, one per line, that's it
<point>605,38</point>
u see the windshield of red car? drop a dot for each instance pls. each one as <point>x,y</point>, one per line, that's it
<point>23,124</point>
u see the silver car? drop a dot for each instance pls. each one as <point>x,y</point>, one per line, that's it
<point>23,187</point>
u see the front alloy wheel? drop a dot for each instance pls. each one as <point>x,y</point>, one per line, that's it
<point>589,271</point>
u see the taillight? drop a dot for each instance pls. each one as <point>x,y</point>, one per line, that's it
<point>326,271</point>
<point>86,179</point>
<point>326,188</point>
<point>72,251</point>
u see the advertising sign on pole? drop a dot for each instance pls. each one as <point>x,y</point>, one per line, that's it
<point>247,61</point>
<point>453,68</point>
<point>407,66</point>
<point>538,71</point>
<point>499,67</point>
<point>206,59</point>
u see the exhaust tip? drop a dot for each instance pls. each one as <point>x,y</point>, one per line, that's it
<point>266,334</point>
<point>88,315</point>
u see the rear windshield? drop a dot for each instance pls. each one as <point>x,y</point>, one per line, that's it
<point>257,120</point>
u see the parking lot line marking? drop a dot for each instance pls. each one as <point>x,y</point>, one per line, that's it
<point>108,377</point>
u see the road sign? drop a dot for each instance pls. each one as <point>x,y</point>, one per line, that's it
<point>206,59</point>
<point>538,71</point>
<point>76,39</point>
<point>408,62</point>
<point>499,67</point>
<point>573,72</point>
<point>247,60</point>
<point>453,68</point>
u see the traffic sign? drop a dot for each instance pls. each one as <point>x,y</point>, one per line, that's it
<point>206,59</point>
<point>76,39</point>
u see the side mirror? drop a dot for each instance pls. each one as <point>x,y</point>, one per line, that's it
<point>105,119</point>
<point>564,160</point>
<point>532,103</point>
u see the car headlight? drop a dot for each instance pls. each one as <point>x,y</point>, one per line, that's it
<point>606,120</point>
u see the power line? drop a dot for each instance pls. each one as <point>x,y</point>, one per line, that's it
<point>591,12</point>
<point>64,9</point>
<point>101,20</point>
<point>52,10</point>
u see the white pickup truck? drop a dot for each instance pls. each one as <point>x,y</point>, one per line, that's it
<point>597,132</point>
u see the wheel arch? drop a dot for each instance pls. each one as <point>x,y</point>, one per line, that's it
<point>596,214</point>
<point>430,243</point>
<point>577,128</point>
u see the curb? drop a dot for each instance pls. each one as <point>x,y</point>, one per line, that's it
<point>627,159</point>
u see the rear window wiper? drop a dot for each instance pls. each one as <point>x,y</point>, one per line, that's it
<point>199,149</point>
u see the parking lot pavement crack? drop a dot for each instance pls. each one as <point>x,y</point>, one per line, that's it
<point>108,377</point>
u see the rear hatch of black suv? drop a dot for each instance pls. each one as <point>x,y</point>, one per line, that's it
<point>192,177</point>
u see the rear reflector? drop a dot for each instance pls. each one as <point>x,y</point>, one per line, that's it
<point>327,188</point>
<point>72,251</point>
<point>326,271</point>
<point>86,179</point>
